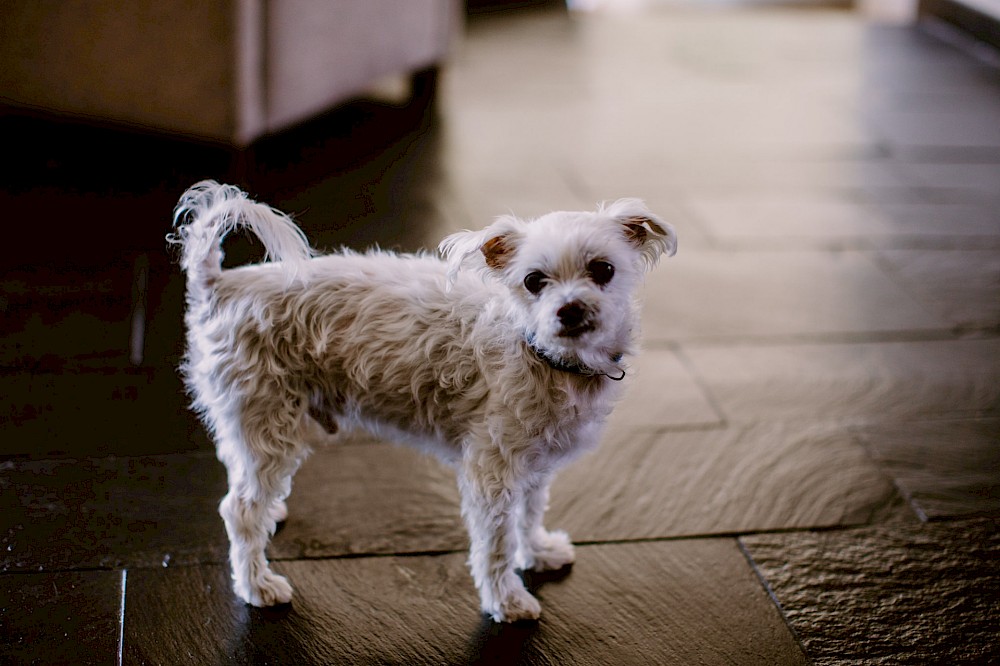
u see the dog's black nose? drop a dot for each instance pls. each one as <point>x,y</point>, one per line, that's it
<point>571,315</point>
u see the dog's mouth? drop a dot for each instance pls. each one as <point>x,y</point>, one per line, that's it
<point>576,330</point>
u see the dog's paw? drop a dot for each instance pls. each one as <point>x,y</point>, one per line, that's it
<point>269,589</point>
<point>552,552</point>
<point>518,604</point>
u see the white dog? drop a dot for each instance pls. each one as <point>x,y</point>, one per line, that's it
<point>502,357</point>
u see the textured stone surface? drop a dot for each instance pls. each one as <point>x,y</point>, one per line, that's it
<point>67,617</point>
<point>901,595</point>
<point>804,198</point>
<point>946,224</point>
<point>86,412</point>
<point>730,296</point>
<point>945,468</point>
<point>104,512</point>
<point>858,382</point>
<point>718,482</point>
<point>673,602</point>
<point>963,286</point>
<point>369,497</point>
<point>155,511</point>
<point>760,220</point>
<point>379,498</point>
<point>973,181</point>
<point>661,393</point>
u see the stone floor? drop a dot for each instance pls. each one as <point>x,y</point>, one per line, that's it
<point>806,467</point>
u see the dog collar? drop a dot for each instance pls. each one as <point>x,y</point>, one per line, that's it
<point>572,368</point>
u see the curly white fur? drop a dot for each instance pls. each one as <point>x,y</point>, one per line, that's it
<point>454,354</point>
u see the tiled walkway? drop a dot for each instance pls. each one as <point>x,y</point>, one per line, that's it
<point>805,469</point>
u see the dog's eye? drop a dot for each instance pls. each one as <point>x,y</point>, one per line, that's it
<point>601,272</point>
<point>534,281</point>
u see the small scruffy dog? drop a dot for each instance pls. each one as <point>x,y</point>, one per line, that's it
<point>502,357</point>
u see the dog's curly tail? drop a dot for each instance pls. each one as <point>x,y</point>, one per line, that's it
<point>208,211</point>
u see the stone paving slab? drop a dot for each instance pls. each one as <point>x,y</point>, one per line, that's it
<point>852,382</point>
<point>967,181</point>
<point>822,218</point>
<point>708,182</point>
<point>110,512</point>
<point>739,295</point>
<point>942,222</point>
<point>365,497</point>
<point>720,482</point>
<point>370,498</point>
<point>91,412</point>
<point>67,617</point>
<point>160,511</point>
<point>955,127</point>
<point>889,595</point>
<point>661,393</point>
<point>961,286</point>
<point>374,497</point>
<point>760,220</point>
<point>946,468</point>
<point>675,602</point>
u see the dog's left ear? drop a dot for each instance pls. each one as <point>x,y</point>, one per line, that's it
<point>648,233</point>
<point>498,250</point>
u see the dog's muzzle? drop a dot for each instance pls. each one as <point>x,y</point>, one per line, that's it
<point>574,320</point>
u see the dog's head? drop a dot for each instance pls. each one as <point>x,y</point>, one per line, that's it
<point>572,275</point>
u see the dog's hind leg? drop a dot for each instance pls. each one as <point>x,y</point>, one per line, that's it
<point>317,428</point>
<point>249,527</point>
<point>260,465</point>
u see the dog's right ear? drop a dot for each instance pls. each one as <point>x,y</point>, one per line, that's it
<point>497,251</point>
<point>490,248</point>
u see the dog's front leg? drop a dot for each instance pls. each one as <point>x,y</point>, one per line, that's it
<point>542,550</point>
<point>490,505</point>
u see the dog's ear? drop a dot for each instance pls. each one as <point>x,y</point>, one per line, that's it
<point>650,235</point>
<point>497,251</point>
<point>489,248</point>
